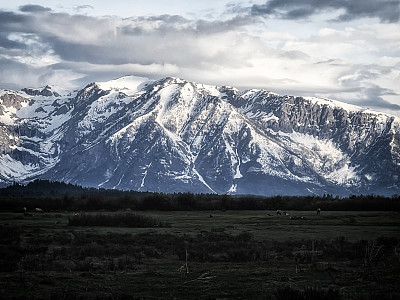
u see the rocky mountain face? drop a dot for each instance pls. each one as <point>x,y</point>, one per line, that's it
<point>172,135</point>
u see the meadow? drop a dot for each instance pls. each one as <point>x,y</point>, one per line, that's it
<point>216,254</point>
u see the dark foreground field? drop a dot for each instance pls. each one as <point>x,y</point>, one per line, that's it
<point>206,255</point>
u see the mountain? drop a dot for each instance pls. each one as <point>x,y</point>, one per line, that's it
<point>173,135</point>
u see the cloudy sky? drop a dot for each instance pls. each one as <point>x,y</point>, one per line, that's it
<point>347,50</point>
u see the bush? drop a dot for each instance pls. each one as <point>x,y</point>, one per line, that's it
<point>312,293</point>
<point>127,219</point>
<point>309,293</point>
<point>288,293</point>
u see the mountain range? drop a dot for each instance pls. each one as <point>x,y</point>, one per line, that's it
<point>172,135</point>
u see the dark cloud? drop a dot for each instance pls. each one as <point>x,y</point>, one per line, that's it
<point>10,21</point>
<point>222,26</point>
<point>236,8</point>
<point>164,24</point>
<point>161,24</point>
<point>373,97</point>
<point>363,73</point>
<point>332,62</point>
<point>388,11</point>
<point>82,8</point>
<point>96,54</point>
<point>14,73</point>
<point>359,81</point>
<point>32,8</point>
<point>6,43</point>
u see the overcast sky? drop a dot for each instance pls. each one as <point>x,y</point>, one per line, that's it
<point>347,50</point>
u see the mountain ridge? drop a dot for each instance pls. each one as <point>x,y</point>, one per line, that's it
<point>172,135</point>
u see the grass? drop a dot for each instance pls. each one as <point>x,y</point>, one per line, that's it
<point>351,225</point>
<point>232,254</point>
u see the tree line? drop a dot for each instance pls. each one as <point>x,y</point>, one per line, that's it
<point>54,196</point>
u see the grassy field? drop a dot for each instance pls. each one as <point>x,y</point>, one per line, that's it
<point>203,255</point>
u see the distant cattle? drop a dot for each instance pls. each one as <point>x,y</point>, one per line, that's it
<point>278,212</point>
<point>39,210</point>
<point>27,213</point>
<point>318,211</point>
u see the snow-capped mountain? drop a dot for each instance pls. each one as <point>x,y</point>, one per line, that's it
<point>172,135</point>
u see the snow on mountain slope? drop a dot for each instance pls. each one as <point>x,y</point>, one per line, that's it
<point>172,135</point>
<point>125,84</point>
<point>35,117</point>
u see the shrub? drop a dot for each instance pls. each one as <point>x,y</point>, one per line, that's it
<point>309,293</point>
<point>312,293</point>
<point>126,219</point>
<point>288,293</point>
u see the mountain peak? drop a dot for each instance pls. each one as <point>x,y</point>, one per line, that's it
<point>130,84</point>
<point>46,91</point>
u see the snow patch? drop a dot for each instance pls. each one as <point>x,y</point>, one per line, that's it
<point>127,84</point>
<point>233,189</point>
<point>335,104</point>
<point>324,156</point>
